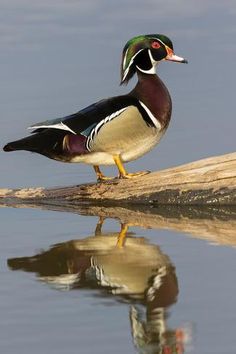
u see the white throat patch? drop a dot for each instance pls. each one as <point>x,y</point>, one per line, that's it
<point>153,62</point>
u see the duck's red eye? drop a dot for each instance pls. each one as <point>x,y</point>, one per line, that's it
<point>156,45</point>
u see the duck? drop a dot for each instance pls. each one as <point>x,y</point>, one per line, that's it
<point>115,130</point>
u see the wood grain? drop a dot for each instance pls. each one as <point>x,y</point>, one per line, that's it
<point>210,181</point>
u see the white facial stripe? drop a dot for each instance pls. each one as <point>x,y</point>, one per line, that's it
<point>60,126</point>
<point>130,63</point>
<point>125,58</point>
<point>151,116</point>
<point>153,62</point>
<point>150,71</point>
<point>96,129</point>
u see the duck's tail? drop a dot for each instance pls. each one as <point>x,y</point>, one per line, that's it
<point>13,145</point>
<point>27,143</point>
<point>45,143</point>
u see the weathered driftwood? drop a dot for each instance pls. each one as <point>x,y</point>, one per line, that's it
<point>210,181</point>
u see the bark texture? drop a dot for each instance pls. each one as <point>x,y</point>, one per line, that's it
<point>210,181</point>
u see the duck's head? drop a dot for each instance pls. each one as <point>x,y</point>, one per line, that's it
<point>144,52</point>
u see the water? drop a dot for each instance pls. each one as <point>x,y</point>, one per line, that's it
<point>88,295</point>
<point>70,284</point>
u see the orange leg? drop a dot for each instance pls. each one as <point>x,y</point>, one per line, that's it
<point>98,230</point>
<point>100,175</point>
<point>122,235</point>
<point>122,171</point>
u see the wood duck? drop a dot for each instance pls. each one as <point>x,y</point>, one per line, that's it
<point>117,129</point>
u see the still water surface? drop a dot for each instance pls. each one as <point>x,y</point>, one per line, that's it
<point>64,287</point>
<point>69,284</point>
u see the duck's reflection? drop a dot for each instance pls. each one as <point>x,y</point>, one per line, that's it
<point>130,268</point>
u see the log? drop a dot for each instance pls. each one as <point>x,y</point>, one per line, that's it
<point>211,181</point>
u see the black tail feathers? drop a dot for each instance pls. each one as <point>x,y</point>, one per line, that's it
<point>29,143</point>
<point>11,146</point>
<point>47,142</point>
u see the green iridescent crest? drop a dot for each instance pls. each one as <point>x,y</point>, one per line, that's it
<point>133,47</point>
